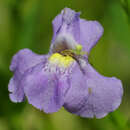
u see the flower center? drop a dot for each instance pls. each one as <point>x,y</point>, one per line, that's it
<point>66,57</point>
<point>60,60</point>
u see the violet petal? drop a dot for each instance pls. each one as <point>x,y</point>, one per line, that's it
<point>68,24</point>
<point>90,33</point>
<point>22,61</point>
<point>93,94</point>
<point>43,89</point>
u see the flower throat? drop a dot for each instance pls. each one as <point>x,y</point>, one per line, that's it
<point>66,57</point>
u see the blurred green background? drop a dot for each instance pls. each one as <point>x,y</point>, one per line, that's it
<point>27,24</point>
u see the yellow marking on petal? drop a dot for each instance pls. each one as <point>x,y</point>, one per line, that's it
<point>79,51</point>
<point>79,47</point>
<point>61,60</point>
<point>89,90</point>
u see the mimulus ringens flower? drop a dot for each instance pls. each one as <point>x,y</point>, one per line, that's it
<point>64,76</point>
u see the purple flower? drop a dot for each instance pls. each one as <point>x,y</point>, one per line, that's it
<point>64,76</point>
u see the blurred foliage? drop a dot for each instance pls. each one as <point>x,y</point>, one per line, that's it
<point>27,24</point>
<point>126,6</point>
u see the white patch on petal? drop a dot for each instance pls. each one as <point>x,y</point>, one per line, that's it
<point>64,41</point>
<point>82,63</point>
<point>54,68</point>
